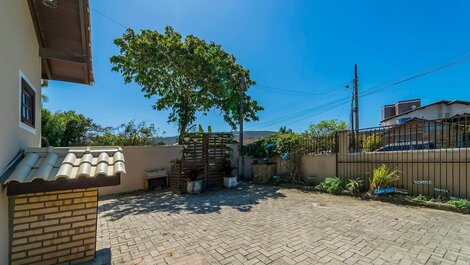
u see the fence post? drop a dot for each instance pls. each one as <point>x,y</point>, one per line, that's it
<point>336,152</point>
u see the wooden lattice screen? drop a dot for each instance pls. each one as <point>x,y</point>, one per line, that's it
<point>205,151</point>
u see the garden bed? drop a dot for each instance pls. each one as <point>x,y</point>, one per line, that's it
<point>397,198</point>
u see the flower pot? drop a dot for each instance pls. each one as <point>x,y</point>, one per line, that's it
<point>194,187</point>
<point>230,182</point>
<point>384,190</point>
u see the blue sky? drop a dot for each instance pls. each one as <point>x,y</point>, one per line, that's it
<point>301,53</point>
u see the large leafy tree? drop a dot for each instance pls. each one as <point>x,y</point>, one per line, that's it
<point>326,128</point>
<point>188,76</point>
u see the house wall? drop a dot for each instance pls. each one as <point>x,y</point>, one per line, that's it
<point>20,50</point>
<point>433,112</point>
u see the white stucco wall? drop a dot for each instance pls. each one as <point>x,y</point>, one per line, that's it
<point>19,52</point>
<point>434,112</point>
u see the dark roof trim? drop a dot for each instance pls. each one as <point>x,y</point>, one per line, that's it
<point>15,188</point>
<point>446,102</point>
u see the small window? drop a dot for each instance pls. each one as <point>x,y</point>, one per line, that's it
<point>28,100</point>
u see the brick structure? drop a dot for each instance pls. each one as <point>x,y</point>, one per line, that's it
<point>53,227</point>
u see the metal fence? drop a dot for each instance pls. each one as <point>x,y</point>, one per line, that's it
<point>318,145</point>
<point>432,157</point>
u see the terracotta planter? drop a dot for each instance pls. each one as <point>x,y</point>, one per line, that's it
<point>230,182</point>
<point>194,187</point>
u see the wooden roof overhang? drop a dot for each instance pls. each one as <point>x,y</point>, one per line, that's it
<point>64,40</point>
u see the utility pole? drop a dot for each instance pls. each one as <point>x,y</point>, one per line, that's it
<point>356,99</point>
<point>241,114</point>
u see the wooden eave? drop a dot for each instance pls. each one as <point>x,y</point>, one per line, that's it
<point>63,35</point>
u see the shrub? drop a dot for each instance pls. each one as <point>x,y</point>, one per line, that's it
<point>372,142</point>
<point>332,185</point>
<point>461,203</point>
<point>383,177</point>
<point>421,198</point>
<point>353,185</point>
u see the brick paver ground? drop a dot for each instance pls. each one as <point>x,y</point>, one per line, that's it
<point>272,225</point>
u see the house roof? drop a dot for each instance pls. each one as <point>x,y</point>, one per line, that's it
<point>51,164</point>
<point>444,102</point>
<point>64,40</point>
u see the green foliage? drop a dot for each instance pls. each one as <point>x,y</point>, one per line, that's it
<point>288,145</point>
<point>72,129</point>
<point>188,76</point>
<point>128,134</point>
<point>65,128</point>
<point>422,198</point>
<point>338,184</point>
<point>383,177</point>
<point>332,185</point>
<point>353,185</point>
<point>460,203</point>
<point>372,142</point>
<point>326,128</point>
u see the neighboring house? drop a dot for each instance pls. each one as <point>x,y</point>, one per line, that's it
<point>405,110</point>
<point>43,40</point>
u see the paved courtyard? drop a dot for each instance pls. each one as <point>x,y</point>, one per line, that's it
<point>272,225</point>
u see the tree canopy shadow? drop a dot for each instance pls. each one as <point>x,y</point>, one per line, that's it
<point>241,198</point>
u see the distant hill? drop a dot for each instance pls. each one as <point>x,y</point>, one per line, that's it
<point>251,136</point>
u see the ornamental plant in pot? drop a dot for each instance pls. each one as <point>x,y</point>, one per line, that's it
<point>194,184</point>
<point>230,181</point>
<point>382,180</point>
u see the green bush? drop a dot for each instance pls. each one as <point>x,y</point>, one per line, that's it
<point>383,177</point>
<point>332,185</point>
<point>461,203</point>
<point>353,185</point>
<point>372,142</point>
<point>422,198</point>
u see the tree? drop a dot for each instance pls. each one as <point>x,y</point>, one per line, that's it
<point>72,129</point>
<point>327,128</point>
<point>284,129</point>
<point>65,128</point>
<point>189,76</point>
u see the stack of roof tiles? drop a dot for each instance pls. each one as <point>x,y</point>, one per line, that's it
<point>50,164</point>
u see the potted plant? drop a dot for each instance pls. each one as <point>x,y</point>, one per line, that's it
<point>194,184</point>
<point>230,181</point>
<point>382,180</point>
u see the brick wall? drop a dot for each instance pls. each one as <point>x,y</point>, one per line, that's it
<point>53,227</point>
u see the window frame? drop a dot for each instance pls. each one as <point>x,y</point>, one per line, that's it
<point>26,85</point>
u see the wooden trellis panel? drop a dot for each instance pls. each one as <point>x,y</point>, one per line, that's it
<point>207,152</point>
<point>217,152</point>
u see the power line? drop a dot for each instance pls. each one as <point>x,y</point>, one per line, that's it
<point>299,92</point>
<point>334,104</point>
<point>459,61</point>
<point>110,18</point>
